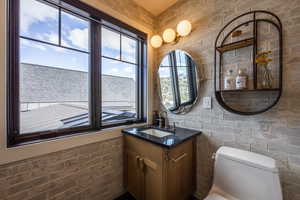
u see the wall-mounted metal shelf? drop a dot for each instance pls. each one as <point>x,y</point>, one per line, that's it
<point>223,96</point>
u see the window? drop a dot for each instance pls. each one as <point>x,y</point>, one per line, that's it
<point>71,69</point>
<point>119,67</point>
<point>53,69</point>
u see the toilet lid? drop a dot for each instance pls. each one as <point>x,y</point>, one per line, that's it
<point>215,196</point>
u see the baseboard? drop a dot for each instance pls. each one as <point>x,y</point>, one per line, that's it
<point>127,196</point>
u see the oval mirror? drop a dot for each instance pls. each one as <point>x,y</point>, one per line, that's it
<point>178,82</point>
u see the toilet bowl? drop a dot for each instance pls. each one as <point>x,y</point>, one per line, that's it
<point>244,175</point>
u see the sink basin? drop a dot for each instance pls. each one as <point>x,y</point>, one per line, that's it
<point>156,133</point>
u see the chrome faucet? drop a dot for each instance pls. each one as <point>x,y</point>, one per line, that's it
<point>162,119</point>
<point>164,122</point>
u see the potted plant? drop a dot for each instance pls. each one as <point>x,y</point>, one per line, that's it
<point>262,60</point>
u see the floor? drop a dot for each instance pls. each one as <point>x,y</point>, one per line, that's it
<point>127,196</point>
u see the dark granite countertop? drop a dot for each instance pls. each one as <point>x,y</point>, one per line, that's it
<point>170,141</point>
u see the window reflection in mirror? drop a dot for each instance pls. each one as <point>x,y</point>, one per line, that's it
<point>178,81</point>
<point>165,74</point>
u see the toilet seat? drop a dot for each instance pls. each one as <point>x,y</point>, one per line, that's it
<point>215,196</point>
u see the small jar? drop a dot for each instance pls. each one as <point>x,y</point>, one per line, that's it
<point>241,81</point>
<point>229,81</point>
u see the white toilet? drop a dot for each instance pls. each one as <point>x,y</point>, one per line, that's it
<point>243,175</point>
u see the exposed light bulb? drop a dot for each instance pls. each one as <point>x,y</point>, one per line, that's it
<point>169,35</point>
<point>156,41</point>
<point>184,28</point>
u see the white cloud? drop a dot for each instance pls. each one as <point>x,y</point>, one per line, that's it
<point>128,45</point>
<point>52,37</point>
<point>110,39</point>
<point>115,70</point>
<point>128,69</point>
<point>79,37</point>
<point>33,11</point>
<point>36,45</point>
<point>48,37</point>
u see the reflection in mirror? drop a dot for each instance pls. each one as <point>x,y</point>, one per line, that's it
<point>165,75</point>
<point>178,81</point>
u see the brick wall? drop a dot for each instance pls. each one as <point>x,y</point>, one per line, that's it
<point>88,172</point>
<point>275,133</point>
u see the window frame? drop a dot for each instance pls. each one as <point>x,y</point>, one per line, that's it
<point>97,20</point>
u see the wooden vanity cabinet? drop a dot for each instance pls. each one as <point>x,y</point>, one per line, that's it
<point>153,172</point>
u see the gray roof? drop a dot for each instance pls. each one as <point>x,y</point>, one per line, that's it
<point>64,116</point>
<point>48,118</point>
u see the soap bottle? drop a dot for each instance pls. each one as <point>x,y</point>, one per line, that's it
<point>155,118</point>
<point>241,80</point>
<point>229,81</point>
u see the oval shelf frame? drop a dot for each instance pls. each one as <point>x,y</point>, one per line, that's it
<point>245,43</point>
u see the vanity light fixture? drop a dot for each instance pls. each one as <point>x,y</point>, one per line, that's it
<point>156,41</point>
<point>183,29</point>
<point>169,35</point>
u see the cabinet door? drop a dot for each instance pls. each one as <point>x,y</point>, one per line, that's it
<point>152,180</point>
<point>134,176</point>
<point>149,175</point>
<point>180,172</point>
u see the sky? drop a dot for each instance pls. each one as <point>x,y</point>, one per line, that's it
<point>40,21</point>
<point>181,64</point>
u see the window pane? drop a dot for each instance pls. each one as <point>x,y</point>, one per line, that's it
<point>75,32</point>
<point>182,72</point>
<point>166,61</point>
<point>166,83</point>
<point>129,49</point>
<point>54,88</point>
<point>38,21</point>
<point>110,44</point>
<point>183,84</point>
<point>181,58</point>
<point>118,91</point>
<point>47,55</point>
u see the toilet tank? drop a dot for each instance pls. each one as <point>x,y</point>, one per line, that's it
<point>245,175</point>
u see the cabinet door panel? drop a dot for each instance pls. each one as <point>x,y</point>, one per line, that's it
<point>152,180</point>
<point>180,172</point>
<point>134,174</point>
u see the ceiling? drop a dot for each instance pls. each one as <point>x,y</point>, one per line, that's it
<point>156,6</point>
